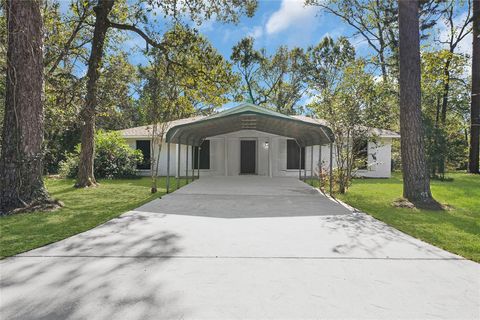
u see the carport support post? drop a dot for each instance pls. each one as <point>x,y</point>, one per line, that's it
<point>198,162</point>
<point>305,166</point>
<point>319,160</point>
<point>186,162</point>
<point>193,162</point>
<point>311,165</point>
<point>168,166</point>
<point>179,146</point>
<point>299,162</point>
<point>331,167</point>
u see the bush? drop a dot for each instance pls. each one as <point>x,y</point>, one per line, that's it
<point>113,158</point>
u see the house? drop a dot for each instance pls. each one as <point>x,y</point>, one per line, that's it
<point>248,139</point>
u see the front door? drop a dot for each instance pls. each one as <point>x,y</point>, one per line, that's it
<point>248,156</point>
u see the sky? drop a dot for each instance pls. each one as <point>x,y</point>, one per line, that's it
<point>283,22</point>
<point>275,23</point>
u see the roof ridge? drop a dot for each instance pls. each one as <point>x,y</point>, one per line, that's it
<point>244,106</point>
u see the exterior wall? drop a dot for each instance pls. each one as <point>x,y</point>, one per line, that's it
<point>379,159</point>
<point>271,160</point>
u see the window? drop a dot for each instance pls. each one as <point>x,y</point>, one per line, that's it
<point>293,155</point>
<point>204,155</point>
<point>144,146</point>
<point>360,153</point>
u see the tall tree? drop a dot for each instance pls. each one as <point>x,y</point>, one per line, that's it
<point>85,169</point>
<point>373,20</point>
<point>446,144</point>
<point>275,81</point>
<point>196,10</point>
<point>348,118</point>
<point>416,181</point>
<point>21,185</point>
<point>457,28</point>
<point>171,92</point>
<point>284,77</point>
<point>3,61</point>
<point>248,61</point>
<point>474,154</point>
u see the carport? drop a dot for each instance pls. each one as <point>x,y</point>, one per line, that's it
<point>247,117</point>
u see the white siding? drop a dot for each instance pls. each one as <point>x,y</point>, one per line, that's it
<point>379,165</point>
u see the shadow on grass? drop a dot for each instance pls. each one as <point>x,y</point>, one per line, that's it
<point>83,210</point>
<point>456,230</point>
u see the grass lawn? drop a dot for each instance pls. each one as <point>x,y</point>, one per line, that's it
<point>83,210</point>
<point>456,230</point>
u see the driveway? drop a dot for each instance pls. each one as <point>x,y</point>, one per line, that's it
<point>240,247</point>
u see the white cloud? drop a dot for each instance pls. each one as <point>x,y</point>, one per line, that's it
<point>291,12</point>
<point>333,33</point>
<point>256,32</point>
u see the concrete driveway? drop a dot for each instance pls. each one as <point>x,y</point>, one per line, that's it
<point>240,247</point>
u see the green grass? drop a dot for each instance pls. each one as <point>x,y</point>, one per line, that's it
<point>456,230</point>
<point>83,210</point>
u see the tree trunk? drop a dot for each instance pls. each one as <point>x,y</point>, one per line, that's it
<point>416,182</point>
<point>21,167</point>
<point>473,165</point>
<point>86,176</point>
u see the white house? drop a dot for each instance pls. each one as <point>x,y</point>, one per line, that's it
<point>249,139</point>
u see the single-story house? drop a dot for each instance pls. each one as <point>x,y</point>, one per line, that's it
<point>248,139</point>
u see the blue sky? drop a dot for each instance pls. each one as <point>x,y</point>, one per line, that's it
<point>285,22</point>
<point>275,23</point>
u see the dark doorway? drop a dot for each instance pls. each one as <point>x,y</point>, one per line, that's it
<point>204,156</point>
<point>144,147</point>
<point>248,156</point>
<point>293,155</point>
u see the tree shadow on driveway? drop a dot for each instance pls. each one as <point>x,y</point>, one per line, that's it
<point>110,272</point>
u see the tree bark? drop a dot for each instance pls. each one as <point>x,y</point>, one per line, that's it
<point>86,175</point>
<point>416,182</point>
<point>474,154</point>
<point>21,167</point>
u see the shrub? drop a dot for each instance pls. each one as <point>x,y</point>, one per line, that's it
<point>113,158</point>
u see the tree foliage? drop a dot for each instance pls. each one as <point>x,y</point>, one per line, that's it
<point>336,77</point>
<point>276,81</point>
<point>114,158</point>
<point>446,134</point>
<point>171,91</point>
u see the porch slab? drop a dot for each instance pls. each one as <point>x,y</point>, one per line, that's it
<point>246,197</point>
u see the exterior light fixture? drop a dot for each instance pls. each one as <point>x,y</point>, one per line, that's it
<point>265,145</point>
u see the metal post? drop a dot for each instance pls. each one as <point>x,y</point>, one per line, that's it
<point>179,146</point>
<point>193,163</point>
<point>168,166</point>
<point>299,162</point>
<point>198,162</point>
<point>225,155</point>
<point>311,164</point>
<point>305,166</point>
<point>331,167</point>
<point>269,157</point>
<point>186,162</point>
<point>319,160</point>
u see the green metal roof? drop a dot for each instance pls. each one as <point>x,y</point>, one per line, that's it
<point>247,116</point>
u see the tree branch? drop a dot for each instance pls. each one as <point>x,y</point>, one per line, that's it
<point>138,31</point>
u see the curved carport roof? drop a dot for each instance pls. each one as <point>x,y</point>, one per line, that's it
<point>250,117</point>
